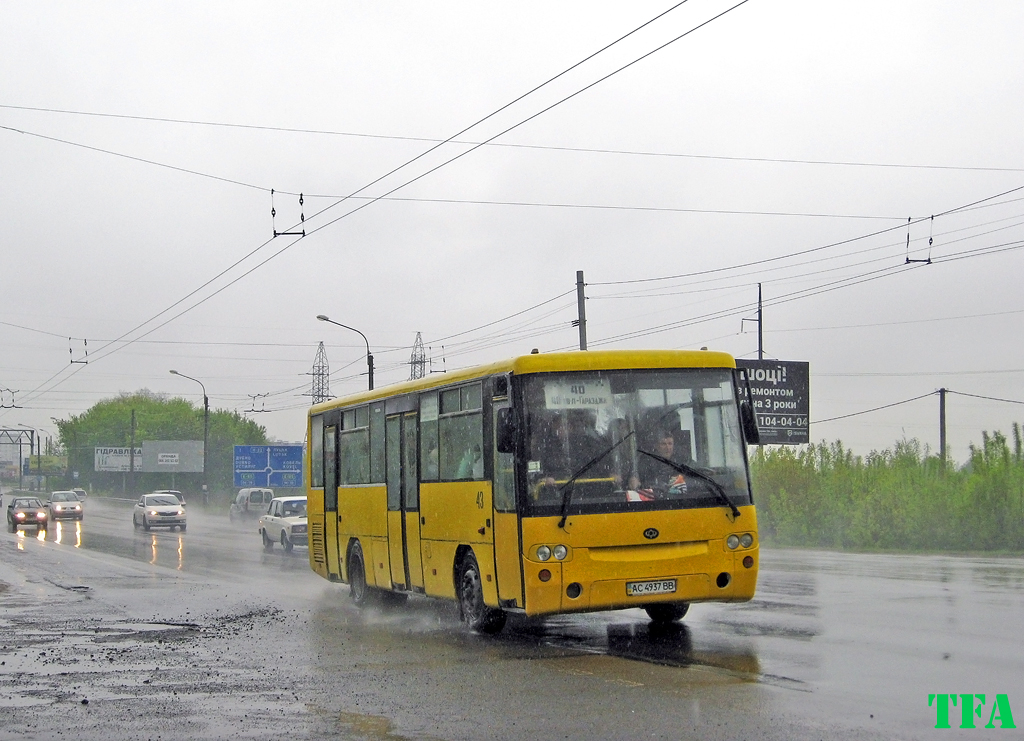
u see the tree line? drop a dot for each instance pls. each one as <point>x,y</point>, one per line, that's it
<point>109,424</point>
<point>904,498</point>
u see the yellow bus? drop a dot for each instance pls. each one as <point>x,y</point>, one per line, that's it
<point>548,483</point>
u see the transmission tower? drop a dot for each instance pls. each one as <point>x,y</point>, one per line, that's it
<point>418,361</point>
<point>321,377</point>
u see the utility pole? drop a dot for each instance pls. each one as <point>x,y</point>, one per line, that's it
<point>760,326</point>
<point>942,428</point>
<point>131,458</point>
<point>581,308</point>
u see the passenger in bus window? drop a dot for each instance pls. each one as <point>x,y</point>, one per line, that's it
<point>654,479</point>
<point>430,460</point>
<point>471,466</point>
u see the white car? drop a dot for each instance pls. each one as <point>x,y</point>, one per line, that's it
<point>284,523</point>
<point>159,510</point>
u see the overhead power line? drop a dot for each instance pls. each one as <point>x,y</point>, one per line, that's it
<point>513,145</point>
<point>875,409</point>
<point>988,398</point>
<point>459,201</point>
<point>809,250</point>
<point>41,389</point>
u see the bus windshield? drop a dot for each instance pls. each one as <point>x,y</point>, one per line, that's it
<point>619,432</point>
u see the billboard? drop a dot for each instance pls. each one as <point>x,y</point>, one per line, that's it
<point>116,459</point>
<point>781,391</point>
<point>268,465</point>
<point>172,456</point>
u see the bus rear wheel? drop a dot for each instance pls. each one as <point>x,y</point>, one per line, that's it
<point>477,615</point>
<point>362,595</point>
<point>667,612</point>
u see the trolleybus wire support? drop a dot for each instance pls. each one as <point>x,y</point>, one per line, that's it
<point>273,214</point>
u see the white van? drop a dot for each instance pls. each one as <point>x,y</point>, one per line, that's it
<point>250,503</point>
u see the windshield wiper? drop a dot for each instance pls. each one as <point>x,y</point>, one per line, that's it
<point>567,487</point>
<point>690,471</point>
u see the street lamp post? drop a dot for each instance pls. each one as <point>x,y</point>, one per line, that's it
<point>369,356</point>
<point>206,432</point>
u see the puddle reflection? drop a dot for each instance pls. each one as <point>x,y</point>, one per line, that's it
<point>156,544</point>
<point>672,644</point>
<point>58,535</point>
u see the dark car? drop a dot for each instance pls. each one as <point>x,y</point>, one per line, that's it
<point>26,512</point>
<point>64,505</point>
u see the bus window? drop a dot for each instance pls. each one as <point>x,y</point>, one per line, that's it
<point>354,447</point>
<point>608,429</point>
<point>504,477</point>
<point>377,443</point>
<point>330,468</point>
<point>316,451</point>
<point>460,434</point>
<point>428,436</point>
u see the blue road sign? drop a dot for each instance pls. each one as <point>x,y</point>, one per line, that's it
<point>268,465</point>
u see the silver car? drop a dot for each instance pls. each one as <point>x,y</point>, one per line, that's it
<point>64,505</point>
<point>158,510</point>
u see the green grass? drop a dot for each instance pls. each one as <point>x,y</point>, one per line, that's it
<point>902,499</point>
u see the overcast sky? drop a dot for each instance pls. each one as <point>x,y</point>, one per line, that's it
<point>768,146</point>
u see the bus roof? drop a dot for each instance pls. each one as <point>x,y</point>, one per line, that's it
<point>554,362</point>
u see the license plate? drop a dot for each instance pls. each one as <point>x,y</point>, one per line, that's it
<point>644,588</point>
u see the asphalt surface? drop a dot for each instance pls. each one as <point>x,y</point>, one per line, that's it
<point>109,632</point>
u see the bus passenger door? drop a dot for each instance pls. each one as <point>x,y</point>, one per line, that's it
<point>403,500</point>
<point>411,500</point>
<point>331,502</point>
<point>507,548</point>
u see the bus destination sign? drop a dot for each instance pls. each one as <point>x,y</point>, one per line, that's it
<point>782,399</point>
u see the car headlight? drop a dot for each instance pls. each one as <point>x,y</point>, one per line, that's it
<point>560,552</point>
<point>78,507</point>
<point>181,511</point>
<point>543,553</point>
<point>20,515</point>
<point>746,540</point>
<point>57,507</point>
<point>40,515</point>
<point>153,512</point>
<point>733,542</point>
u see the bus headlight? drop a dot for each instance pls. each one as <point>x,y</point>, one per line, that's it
<point>733,542</point>
<point>560,552</point>
<point>543,553</point>
<point>746,540</point>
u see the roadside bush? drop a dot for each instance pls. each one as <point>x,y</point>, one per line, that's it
<point>901,498</point>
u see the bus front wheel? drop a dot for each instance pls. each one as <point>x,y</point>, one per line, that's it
<point>667,612</point>
<point>477,615</point>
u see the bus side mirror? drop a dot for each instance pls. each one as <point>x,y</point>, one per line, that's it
<point>505,431</point>
<point>750,432</point>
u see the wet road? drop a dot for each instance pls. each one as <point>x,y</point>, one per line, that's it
<point>115,633</point>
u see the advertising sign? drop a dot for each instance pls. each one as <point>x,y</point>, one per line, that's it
<point>268,465</point>
<point>172,456</point>
<point>116,459</point>
<point>781,391</point>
